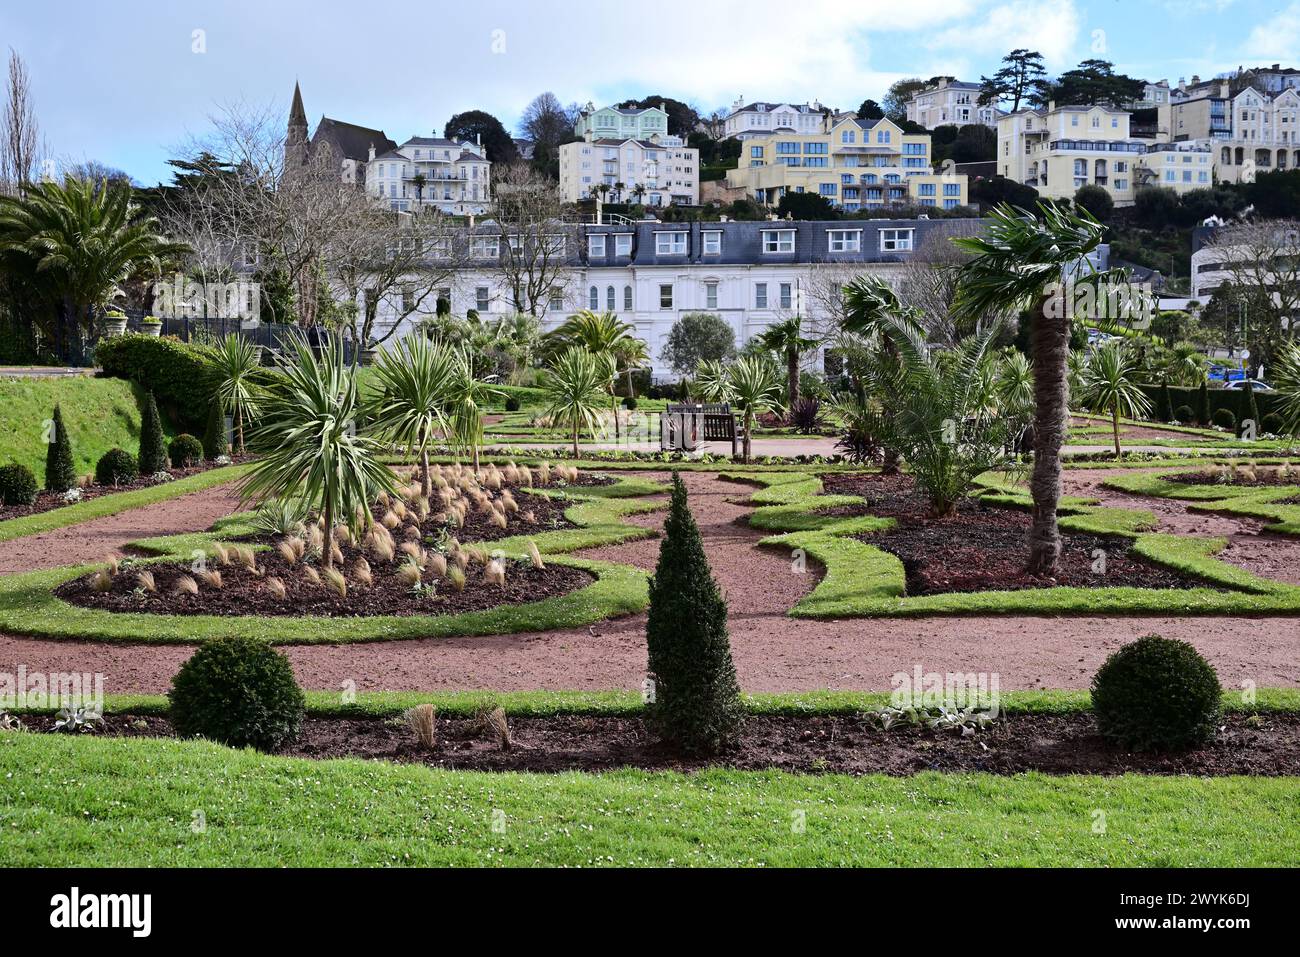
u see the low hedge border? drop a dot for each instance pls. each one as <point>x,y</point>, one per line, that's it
<point>1262,502</point>
<point>864,581</point>
<point>29,607</point>
<point>620,703</point>
<point>116,502</point>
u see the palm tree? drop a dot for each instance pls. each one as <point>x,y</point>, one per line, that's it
<point>575,387</point>
<point>712,381</point>
<point>755,386</point>
<point>309,444</point>
<point>786,338</point>
<point>1015,387</point>
<point>235,362</point>
<point>414,380</point>
<point>1286,379</point>
<point>631,354</point>
<point>1015,262</point>
<point>944,413</point>
<point>1111,385</point>
<point>602,334</point>
<point>467,394</point>
<point>418,181</point>
<point>76,243</point>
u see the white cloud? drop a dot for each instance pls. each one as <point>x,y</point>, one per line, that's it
<point>1049,26</point>
<point>1278,38</point>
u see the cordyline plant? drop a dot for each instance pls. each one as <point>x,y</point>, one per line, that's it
<point>466,396</point>
<point>1015,265</point>
<point>309,441</point>
<point>414,379</point>
<point>1110,384</point>
<point>575,387</point>
<point>235,362</point>
<point>755,386</point>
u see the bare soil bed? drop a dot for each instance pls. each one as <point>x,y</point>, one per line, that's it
<point>983,547</point>
<point>1264,478</point>
<point>1265,745</point>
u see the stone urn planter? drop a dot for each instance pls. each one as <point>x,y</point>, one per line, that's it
<point>114,324</point>
<point>151,326</point>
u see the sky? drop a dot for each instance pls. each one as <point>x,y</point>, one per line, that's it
<point>127,83</point>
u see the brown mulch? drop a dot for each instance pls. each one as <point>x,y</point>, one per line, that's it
<point>983,547</point>
<point>1266,745</point>
<point>547,514</point>
<point>49,501</point>
<point>1263,479</point>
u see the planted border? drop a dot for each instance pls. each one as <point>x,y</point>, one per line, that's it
<point>1262,502</point>
<point>862,580</point>
<point>28,605</point>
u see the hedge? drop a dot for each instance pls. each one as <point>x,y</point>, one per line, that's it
<point>172,370</point>
<point>1234,400</point>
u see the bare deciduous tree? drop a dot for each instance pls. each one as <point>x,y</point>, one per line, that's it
<point>1262,260</point>
<point>20,138</point>
<point>535,242</point>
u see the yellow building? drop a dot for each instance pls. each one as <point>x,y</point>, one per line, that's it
<point>1060,149</point>
<point>855,164</point>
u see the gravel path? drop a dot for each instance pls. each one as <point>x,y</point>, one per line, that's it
<point>772,651</point>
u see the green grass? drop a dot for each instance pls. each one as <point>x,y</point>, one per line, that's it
<point>1244,501</point>
<point>116,502</point>
<point>69,800</point>
<point>28,605</point>
<point>864,581</point>
<point>99,414</point>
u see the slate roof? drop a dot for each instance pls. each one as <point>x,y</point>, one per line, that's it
<point>351,141</point>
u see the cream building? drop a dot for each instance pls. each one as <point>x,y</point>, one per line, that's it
<point>1248,133</point>
<point>855,164</point>
<point>656,172</point>
<point>1060,149</point>
<point>428,172</point>
<point>748,120</point>
<point>951,103</point>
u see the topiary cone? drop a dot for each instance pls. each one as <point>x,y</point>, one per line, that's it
<point>60,473</point>
<point>153,446</point>
<point>696,704</point>
<point>214,438</point>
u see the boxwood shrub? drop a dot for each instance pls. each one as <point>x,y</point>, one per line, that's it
<point>1225,419</point>
<point>1156,694</point>
<point>237,691</point>
<point>17,485</point>
<point>116,467</point>
<point>185,451</point>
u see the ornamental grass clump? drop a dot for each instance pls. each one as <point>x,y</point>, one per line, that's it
<point>1156,694</point>
<point>423,722</point>
<point>238,691</point>
<point>696,704</point>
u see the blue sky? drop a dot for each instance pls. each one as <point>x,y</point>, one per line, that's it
<point>126,82</point>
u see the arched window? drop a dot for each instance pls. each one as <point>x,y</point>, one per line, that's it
<point>593,298</point>
<point>1080,167</point>
<point>1240,157</point>
<point>1225,156</point>
<point>610,304</point>
<point>627,298</point>
<point>1099,170</point>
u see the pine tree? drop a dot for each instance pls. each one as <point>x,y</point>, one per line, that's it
<point>1203,403</point>
<point>696,702</point>
<point>153,446</point>
<point>60,472</point>
<point>214,438</point>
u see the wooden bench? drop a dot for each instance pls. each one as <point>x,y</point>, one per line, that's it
<point>719,422</point>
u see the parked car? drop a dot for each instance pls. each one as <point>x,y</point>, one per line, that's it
<point>1255,385</point>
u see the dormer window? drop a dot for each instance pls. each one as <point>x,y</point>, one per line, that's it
<point>778,240</point>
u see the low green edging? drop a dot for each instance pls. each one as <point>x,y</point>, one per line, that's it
<point>28,605</point>
<point>862,580</point>
<point>537,704</point>
<point>116,502</point>
<point>1244,501</point>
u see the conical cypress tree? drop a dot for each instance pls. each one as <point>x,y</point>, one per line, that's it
<point>1166,410</point>
<point>214,438</point>
<point>153,447</point>
<point>1252,407</point>
<point>696,701</point>
<point>1203,403</point>
<point>60,472</point>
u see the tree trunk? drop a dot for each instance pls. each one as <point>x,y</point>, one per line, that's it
<point>327,551</point>
<point>749,427</point>
<point>1114,418</point>
<point>890,458</point>
<point>239,427</point>
<point>575,438</point>
<point>630,390</point>
<point>792,372</point>
<point>424,466</point>
<point>1051,352</point>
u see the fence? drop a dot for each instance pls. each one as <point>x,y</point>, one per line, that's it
<point>273,337</point>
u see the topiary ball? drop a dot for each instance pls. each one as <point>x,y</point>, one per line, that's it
<point>116,467</point>
<point>184,451</point>
<point>1156,694</point>
<point>630,403</point>
<point>1184,414</point>
<point>1224,419</point>
<point>17,485</point>
<point>237,691</point>
<point>513,404</point>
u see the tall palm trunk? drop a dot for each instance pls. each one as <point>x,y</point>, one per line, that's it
<point>1051,349</point>
<point>890,458</point>
<point>1114,420</point>
<point>792,373</point>
<point>630,390</point>
<point>749,427</point>
<point>327,551</point>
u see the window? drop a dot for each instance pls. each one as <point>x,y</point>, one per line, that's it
<point>627,298</point>
<point>756,152</point>
<point>895,240</point>
<point>670,244</point>
<point>845,240</point>
<point>482,298</point>
<point>610,303</point>
<point>760,295</point>
<point>485,247</point>
<point>557,299</point>
<point>666,295</point>
<point>711,295</point>
<point>926,189</point>
<point>952,189</point>
<point>818,148</point>
<point>828,189</point>
<point>786,295</point>
<point>712,242</point>
<point>596,246</point>
<point>623,244</point>
<point>593,298</point>
<point>778,240</point>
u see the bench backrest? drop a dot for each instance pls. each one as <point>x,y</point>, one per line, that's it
<point>719,421</point>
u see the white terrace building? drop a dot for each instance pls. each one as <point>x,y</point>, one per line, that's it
<point>752,274</point>
<point>453,176</point>
<point>951,103</point>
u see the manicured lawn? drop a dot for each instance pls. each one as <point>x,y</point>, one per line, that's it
<point>98,413</point>
<point>70,801</point>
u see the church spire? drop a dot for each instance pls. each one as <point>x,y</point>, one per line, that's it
<point>295,142</point>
